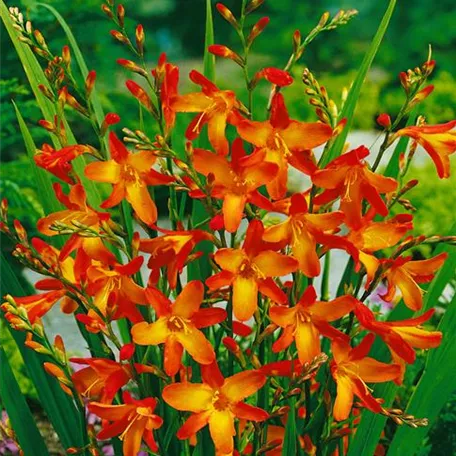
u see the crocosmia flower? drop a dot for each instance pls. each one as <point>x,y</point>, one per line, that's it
<point>307,320</point>
<point>217,402</point>
<point>303,230</point>
<point>250,270</point>
<point>439,141</point>
<point>214,107</point>
<point>406,274</point>
<point>350,178</point>
<point>236,182</point>
<point>130,174</point>
<point>285,141</point>
<point>351,368</point>
<point>133,422</point>
<point>178,326</point>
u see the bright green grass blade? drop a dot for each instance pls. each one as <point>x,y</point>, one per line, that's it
<point>434,388</point>
<point>348,110</point>
<point>371,425</point>
<point>19,413</point>
<point>58,406</point>
<point>43,181</point>
<point>79,59</point>
<point>290,440</point>
<point>209,59</point>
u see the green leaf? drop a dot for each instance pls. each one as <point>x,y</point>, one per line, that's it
<point>43,181</point>
<point>371,425</point>
<point>19,413</point>
<point>348,110</point>
<point>209,59</point>
<point>58,406</point>
<point>290,440</point>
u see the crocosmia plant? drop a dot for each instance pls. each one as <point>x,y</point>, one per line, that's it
<point>200,279</point>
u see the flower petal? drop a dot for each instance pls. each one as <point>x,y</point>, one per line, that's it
<point>138,196</point>
<point>221,427</point>
<point>249,412</point>
<point>273,264</point>
<point>151,333</point>
<point>196,344</point>
<point>191,397</point>
<point>189,300</point>
<point>245,297</point>
<point>239,386</point>
<point>344,398</point>
<point>193,424</point>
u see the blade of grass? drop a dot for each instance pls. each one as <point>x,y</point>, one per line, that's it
<point>348,109</point>
<point>209,59</point>
<point>58,406</point>
<point>19,413</point>
<point>290,447</point>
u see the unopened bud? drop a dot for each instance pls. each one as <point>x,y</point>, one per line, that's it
<point>384,120</point>
<point>323,20</point>
<point>121,15</point>
<point>39,39</point>
<point>422,94</point>
<point>257,29</point>
<point>110,119</point>
<point>105,8</point>
<point>296,41</point>
<point>129,65</point>
<point>225,52</point>
<point>227,15</point>
<point>49,126</point>
<point>66,56</point>
<point>275,76</point>
<point>119,36</point>
<point>90,82</point>
<point>140,94</point>
<point>140,38</point>
<point>253,5</point>
<point>231,345</point>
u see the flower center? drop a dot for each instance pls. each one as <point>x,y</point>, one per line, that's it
<point>130,174</point>
<point>248,270</point>
<point>220,402</point>
<point>178,324</point>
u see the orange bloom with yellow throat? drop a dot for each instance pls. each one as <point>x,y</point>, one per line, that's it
<point>178,326</point>
<point>249,270</point>
<point>130,174</point>
<point>217,402</point>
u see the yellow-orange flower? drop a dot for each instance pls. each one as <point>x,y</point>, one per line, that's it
<point>250,270</point>
<point>406,274</point>
<point>178,326</point>
<point>352,369</point>
<point>303,230</point>
<point>307,320</point>
<point>439,141</point>
<point>133,421</point>
<point>217,402</point>
<point>236,182</point>
<point>349,177</point>
<point>130,174</point>
<point>284,141</point>
<point>78,211</point>
<point>214,107</point>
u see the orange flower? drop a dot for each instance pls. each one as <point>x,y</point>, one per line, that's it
<point>236,182</point>
<point>64,268</point>
<point>130,174</point>
<point>133,421</point>
<point>178,326</point>
<point>284,141</point>
<point>307,320</point>
<point>400,336</point>
<point>303,231</point>
<point>101,379</point>
<point>78,211</point>
<point>351,368</point>
<point>172,250</point>
<point>58,162</point>
<point>217,402</point>
<point>215,107</point>
<point>106,279</point>
<point>349,177</point>
<point>405,274</point>
<point>372,236</point>
<point>250,269</point>
<point>36,306</point>
<point>438,141</point>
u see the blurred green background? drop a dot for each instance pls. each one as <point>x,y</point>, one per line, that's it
<point>177,28</point>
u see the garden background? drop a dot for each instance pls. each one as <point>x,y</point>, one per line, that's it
<point>177,28</point>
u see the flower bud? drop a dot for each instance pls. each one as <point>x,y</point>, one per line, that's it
<point>217,223</point>
<point>140,94</point>
<point>422,94</point>
<point>46,92</point>
<point>90,82</point>
<point>257,29</point>
<point>49,126</point>
<point>110,119</point>
<point>129,65</point>
<point>119,36</point>
<point>253,5</point>
<point>121,15</point>
<point>296,41</point>
<point>275,76</point>
<point>127,351</point>
<point>384,120</point>
<point>66,56</point>
<point>107,11</point>
<point>225,52</point>
<point>227,15</point>
<point>140,38</point>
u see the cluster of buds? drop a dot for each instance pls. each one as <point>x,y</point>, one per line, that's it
<point>400,418</point>
<point>142,142</point>
<point>325,107</point>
